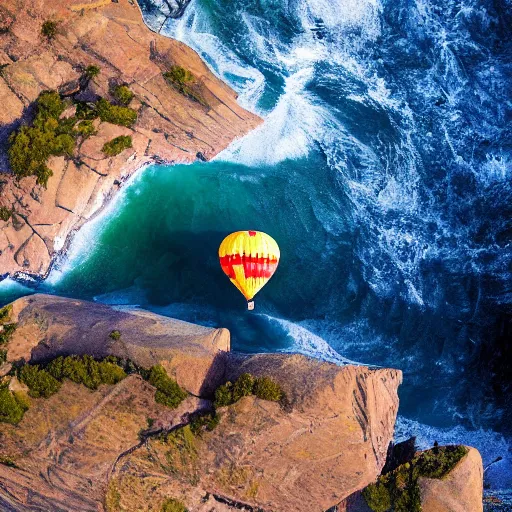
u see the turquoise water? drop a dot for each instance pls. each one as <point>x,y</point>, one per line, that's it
<point>382,170</point>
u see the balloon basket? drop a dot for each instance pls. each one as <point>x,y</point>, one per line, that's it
<point>250,305</point>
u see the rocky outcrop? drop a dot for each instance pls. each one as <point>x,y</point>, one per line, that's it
<point>50,326</point>
<point>461,490</point>
<point>325,440</point>
<point>454,485</point>
<point>171,126</point>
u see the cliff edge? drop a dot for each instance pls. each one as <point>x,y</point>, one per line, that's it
<point>281,432</point>
<point>84,50</point>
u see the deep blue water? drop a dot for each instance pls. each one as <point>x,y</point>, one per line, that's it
<point>383,170</point>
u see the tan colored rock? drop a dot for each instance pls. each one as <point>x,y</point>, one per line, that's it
<point>51,326</point>
<point>170,126</point>
<point>306,456</point>
<point>308,453</point>
<point>461,490</point>
<point>67,446</point>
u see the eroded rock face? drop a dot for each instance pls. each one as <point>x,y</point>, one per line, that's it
<point>50,326</point>
<point>170,126</point>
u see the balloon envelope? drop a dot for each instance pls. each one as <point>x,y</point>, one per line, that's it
<point>249,259</point>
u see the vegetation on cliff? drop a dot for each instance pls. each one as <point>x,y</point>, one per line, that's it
<point>398,491</point>
<point>173,505</point>
<point>168,392</point>
<point>5,213</point>
<point>12,405</point>
<point>117,145</point>
<point>184,82</point>
<point>31,146</point>
<point>262,387</point>
<point>6,329</point>
<point>122,94</point>
<point>49,29</point>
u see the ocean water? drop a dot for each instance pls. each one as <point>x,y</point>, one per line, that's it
<point>383,170</point>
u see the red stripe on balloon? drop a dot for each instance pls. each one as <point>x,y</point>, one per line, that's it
<point>254,266</point>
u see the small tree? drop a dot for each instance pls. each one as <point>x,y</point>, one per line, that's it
<point>122,94</point>
<point>91,71</point>
<point>117,145</point>
<point>49,29</point>
<point>115,335</point>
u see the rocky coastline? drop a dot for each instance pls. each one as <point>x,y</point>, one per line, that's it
<point>148,412</point>
<point>173,124</point>
<point>266,432</point>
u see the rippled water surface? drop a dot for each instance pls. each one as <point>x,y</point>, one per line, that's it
<point>383,170</point>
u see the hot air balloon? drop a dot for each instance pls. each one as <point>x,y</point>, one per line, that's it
<point>249,259</point>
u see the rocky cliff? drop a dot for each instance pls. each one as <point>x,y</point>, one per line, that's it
<point>173,124</point>
<point>81,449</point>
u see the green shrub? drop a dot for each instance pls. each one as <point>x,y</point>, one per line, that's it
<point>184,81</point>
<point>115,335</point>
<point>66,126</point>
<point>40,383</point>
<point>173,505</point>
<point>91,71</point>
<point>50,105</point>
<point>179,75</point>
<point>263,387</point>
<point>243,386</point>
<point>122,94</point>
<point>122,116</point>
<point>86,128</point>
<point>6,331</point>
<point>204,422</point>
<point>437,462</point>
<point>224,395</point>
<point>12,405</point>
<point>5,313</point>
<point>31,146</point>
<point>117,145</point>
<point>49,29</point>
<point>3,357</point>
<point>168,392</point>
<point>267,389</point>
<point>86,111</point>
<point>5,213</point>
<point>86,370</point>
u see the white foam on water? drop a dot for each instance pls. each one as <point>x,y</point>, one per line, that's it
<point>306,342</point>
<point>289,131</point>
<point>86,240</point>
<point>10,287</point>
